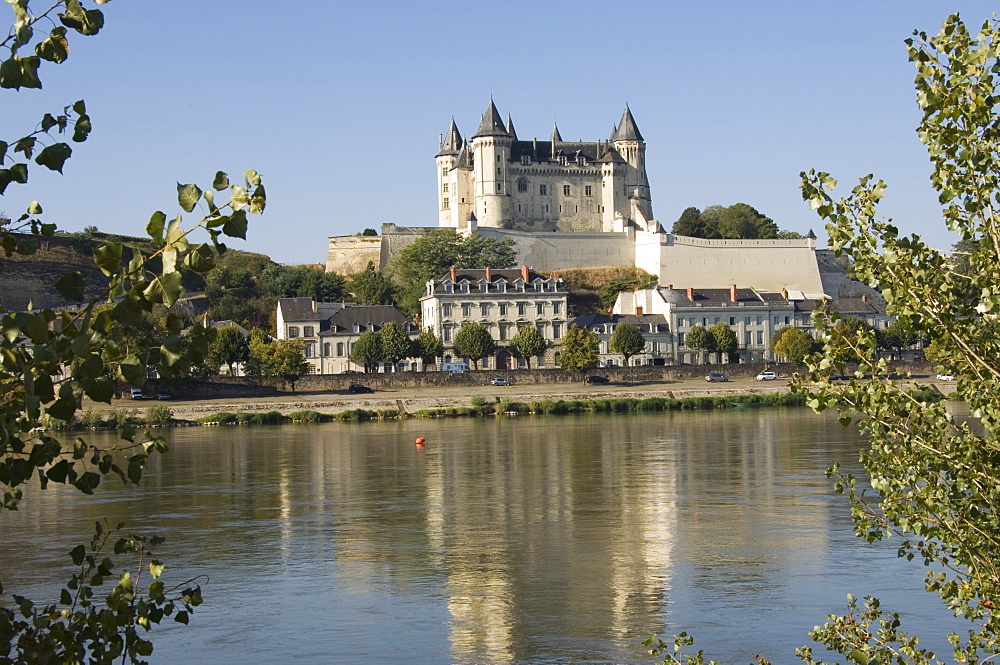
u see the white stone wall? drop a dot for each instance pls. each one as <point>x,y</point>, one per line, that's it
<point>350,254</point>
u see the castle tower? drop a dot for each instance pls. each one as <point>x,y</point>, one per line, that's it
<point>491,145</point>
<point>450,150</point>
<point>629,143</point>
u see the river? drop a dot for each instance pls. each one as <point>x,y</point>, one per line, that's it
<point>553,539</point>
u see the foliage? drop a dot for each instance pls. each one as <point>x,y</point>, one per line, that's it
<point>626,340</point>
<point>474,341</point>
<point>725,339</point>
<point>527,343</point>
<point>230,348</point>
<point>579,350</point>
<point>395,342</point>
<point>85,626</point>
<point>699,339</point>
<point>370,287</point>
<point>428,347</point>
<point>792,344</point>
<point>286,359</point>
<point>594,290</point>
<point>937,479</point>
<point>432,254</point>
<point>367,350</point>
<point>896,336</point>
<point>737,221</point>
<point>256,363</point>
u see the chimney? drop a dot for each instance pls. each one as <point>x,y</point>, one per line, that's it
<point>690,294</point>
<point>784,293</point>
<point>864,298</point>
<point>732,294</point>
<point>489,274</point>
<point>524,273</point>
<point>638,310</point>
<point>314,306</point>
<point>454,277</point>
<point>670,287</point>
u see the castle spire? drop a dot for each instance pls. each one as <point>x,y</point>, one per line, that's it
<point>492,123</point>
<point>510,128</point>
<point>452,141</point>
<point>555,133</point>
<point>627,130</point>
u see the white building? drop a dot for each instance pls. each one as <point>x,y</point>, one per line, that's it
<point>654,328</point>
<point>329,330</point>
<point>501,300</point>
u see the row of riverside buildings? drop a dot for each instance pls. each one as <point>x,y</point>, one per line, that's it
<point>506,300</point>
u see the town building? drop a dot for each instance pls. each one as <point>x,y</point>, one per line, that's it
<point>501,300</point>
<point>754,315</point>
<point>654,328</point>
<point>329,330</point>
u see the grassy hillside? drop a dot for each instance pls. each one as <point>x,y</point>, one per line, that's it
<point>593,290</point>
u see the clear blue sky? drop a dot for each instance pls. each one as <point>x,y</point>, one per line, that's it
<point>339,105</point>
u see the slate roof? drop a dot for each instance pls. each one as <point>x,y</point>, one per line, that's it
<point>642,322</point>
<point>491,124</point>
<point>452,141</point>
<point>510,128</point>
<point>715,297</point>
<point>627,129</point>
<point>556,136</point>
<point>345,319</point>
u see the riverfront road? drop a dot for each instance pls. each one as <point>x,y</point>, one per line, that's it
<point>416,399</point>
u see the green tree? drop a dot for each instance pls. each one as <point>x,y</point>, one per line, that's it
<point>527,343</point>
<point>367,350</point>
<point>792,344</point>
<point>689,224</point>
<point>700,339</point>
<point>474,341</point>
<point>256,363</point>
<point>287,360</point>
<point>579,350</point>
<point>626,340</point>
<point>432,254</point>
<point>230,348</point>
<point>428,347</point>
<point>396,343</point>
<point>937,479</point>
<point>741,220</point>
<point>724,340</point>
<point>370,287</point>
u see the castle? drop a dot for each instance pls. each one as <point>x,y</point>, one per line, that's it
<point>506,183</point>
<point>587,205</point>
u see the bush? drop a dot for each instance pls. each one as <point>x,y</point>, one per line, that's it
<point>309,417</point>
<point>158,414</point>
<point>478,401</point>
<point>221,418</point>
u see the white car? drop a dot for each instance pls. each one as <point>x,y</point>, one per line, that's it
<point>945,377</point>
<point>767,376</point>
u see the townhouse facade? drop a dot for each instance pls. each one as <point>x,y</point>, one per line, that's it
<point>503,301</point>
<point>328,331</point>
<point>654,328</point>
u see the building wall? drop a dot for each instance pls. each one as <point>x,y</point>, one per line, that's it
<point>547,252</point>
<point>350,254</point>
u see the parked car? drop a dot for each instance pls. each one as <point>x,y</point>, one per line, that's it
<point>767,376</point>
<point>597,379</point>
<point>945,377</point>
<point>358,389</point>
<point>500,381</point>
<point>716,378</point>
<point>162,396</point>
<point>135,393</point>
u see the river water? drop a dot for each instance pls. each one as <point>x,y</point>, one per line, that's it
<point>557,539</point>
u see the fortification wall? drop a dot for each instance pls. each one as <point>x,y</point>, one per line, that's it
<point>546,252</point>
<point>350,254</point>
<point>768,265</point>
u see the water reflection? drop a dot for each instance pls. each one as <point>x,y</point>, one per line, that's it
<point>559,539</point>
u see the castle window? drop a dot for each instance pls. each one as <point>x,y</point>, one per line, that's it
<point>543,190</point>
<point>588,191</point>
<point>444,204</point>
<point>522,185</point>
<point>498,160</point>
<point>524,160</point>
<point>560,207</point>
<point>444,173</point>
<point>444,187</point>
<point>566,190</point>
<point>499,186</point>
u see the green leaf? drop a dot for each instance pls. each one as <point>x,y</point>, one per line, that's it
<point>70,287</point>
<point>165,289</point>
<point>236,225</point>
<point>77,554</point>
<point>85,21</point>
<point>221,181</point>
<point>25,145</point>
<point>55,48</point>
<point>29,72</point>
<point>19,172</point>
<point>109,258</point>
<point>48,122</point>
<point>187,196</point>
<point>10,73</point>
<point>54,156</point>
<point>128,312</point>
<point>34,208</point>
<point>81,129</point>
<point>155,226</point>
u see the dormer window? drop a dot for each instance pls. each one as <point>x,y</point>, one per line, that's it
<point>520,287</point>
<point>502,287</point>
<point>552,285</point>
<point>482,287</point>
<point>465,287</point>
<point>538,286</point>
<point>357,327</point>
<point>449,288</point>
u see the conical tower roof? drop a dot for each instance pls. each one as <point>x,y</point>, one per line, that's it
<point>555,134</point>
<point>464,160</point>
<point>492,124</point>
<point>510,128</point>
<point>627,131</point>
<point>452,141</point>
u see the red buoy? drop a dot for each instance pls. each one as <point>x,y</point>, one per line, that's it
<point>420,441</point>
